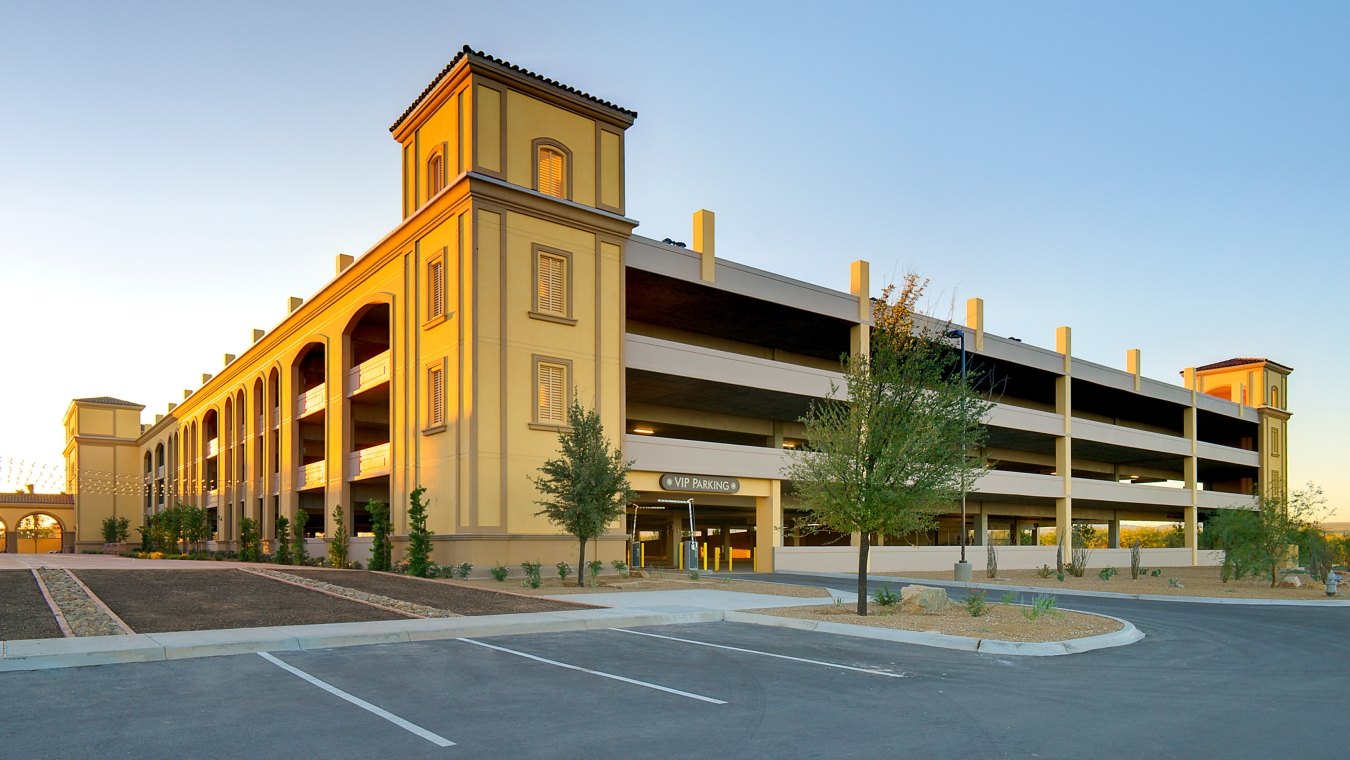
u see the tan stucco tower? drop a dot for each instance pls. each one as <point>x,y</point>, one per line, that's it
<point>101,465</point>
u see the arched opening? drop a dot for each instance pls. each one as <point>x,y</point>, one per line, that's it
<point>310,439</point>
<point>38,533</point>
<point>209,475</point>
<point>1224,392</point>
<point>157,495</point>
<point>4,537</point>
<point>240,461</point>
<point>272,409</point>
<point>368,414</point>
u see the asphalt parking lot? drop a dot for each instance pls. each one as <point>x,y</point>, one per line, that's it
<point>1208,681</point>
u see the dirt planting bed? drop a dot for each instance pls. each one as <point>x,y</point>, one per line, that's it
<point>1005,622</point>
<point>155,601</point>
<point>1194,581</point>
<point>452,597</point>
<point>24,614</point>
<point>658,581</point>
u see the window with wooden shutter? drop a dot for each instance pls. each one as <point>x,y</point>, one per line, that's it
<point>552,172</point>
<point>436,397</point>
<point>552,285</point>
<point>436,289</point>
<point>552,393</point>
<point>435,174</point>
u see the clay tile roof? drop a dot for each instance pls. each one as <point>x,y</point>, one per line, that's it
<point>1241,361</point>
<point>107,400</point>
<point>36,498</point>
<point>466,50</point>
<point>1235,362</point>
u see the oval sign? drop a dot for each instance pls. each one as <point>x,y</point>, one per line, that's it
<point>672,481</point>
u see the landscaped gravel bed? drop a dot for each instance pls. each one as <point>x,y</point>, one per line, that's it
<point>84,617</point>
<point>24,614</point>
<point>360,596</point>
<point>154,601</point>
<point>453,597</point>
<point>1004,622</point>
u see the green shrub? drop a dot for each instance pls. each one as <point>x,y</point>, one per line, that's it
<point>532,579</point>
<point>338,541</point>
<point>1174,583</point>
<point>462,571</point>
<point>693,575</point>
<point>975,604</point>
<point>564,570</point>
<point>884,597</point>
<point>620,567</point>
<point>299,551</point>
<point>283,554</point>
<point>419,535</point>
<point>250,543</point>
<point>1044,571</point>
<point>381,552</point>
<point>1041,604</point>
<point>1155,572</point>
<point>1106,573</point>
<point>596,566</point>
<point>499,572</point>
<point>1060,576</point>
<point>1009,597</point>
<point>110,530</point>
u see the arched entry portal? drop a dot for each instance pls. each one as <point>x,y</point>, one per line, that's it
<point>4,536</point>
<point>37,533</point>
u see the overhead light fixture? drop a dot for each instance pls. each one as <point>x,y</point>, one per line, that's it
<point>789,444</point>
<point>643,430</point>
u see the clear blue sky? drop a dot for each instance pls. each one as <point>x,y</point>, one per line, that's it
<point>1165,176</point>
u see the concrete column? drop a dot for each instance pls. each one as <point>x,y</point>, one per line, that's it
<point>981,528</point>
<point>1064,443</point>
<point>860,286</point>
<point>768,526</point>
<point>1191,467</point>
<point>337,434</point>
<point>1113,533</point>
<point>726,543</point>
<point>674,541</point>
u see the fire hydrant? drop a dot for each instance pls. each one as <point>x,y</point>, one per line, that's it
<point>1333,580</point>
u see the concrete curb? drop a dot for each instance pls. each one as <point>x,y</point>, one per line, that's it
<point>42,654</point>
<point>1127,635</point>
<point>897,579</point>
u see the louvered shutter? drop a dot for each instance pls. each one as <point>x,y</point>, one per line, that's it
<point>436,395</point>
<point>552,382</point>
<point>552,173</point>
<point>437,286</point>
<point>552,284</point>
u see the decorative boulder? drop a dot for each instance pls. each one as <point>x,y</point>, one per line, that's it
<point>1291,581</point>
<point>923,598</point>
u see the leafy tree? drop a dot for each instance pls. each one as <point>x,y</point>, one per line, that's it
<point>123,531</point>
<point>381,553</point>
<point>283,553</point>
<point>1257,541</point>
<point>894,453</point>
<point>419,536</point>
<point>338,540</point>
<point>299,552</point>
<point>586,488</point>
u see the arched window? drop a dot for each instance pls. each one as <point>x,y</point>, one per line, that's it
<point>1275,396</point>
<point>435,174</point>
<point>551,172</point>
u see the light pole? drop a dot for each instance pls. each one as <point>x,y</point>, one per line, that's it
<point>962,570</point>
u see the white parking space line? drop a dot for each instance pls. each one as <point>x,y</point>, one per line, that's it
<point>763,654</point>
<point>602,674</point>
<point>436,739</point>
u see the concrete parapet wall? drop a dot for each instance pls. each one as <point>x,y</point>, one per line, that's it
<point>890,559</point>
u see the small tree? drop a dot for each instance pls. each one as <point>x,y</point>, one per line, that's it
<point>586,488</point>
<point>250,549</point>
<point>419,536</point>
<point>123,532</point>
<point>299,552</point>
<point>337,540</point>
<point>381,553</point>
<point>283,553</point>
<point>109,530</point>
<point>1258,540</point>
<point>893,452</point>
